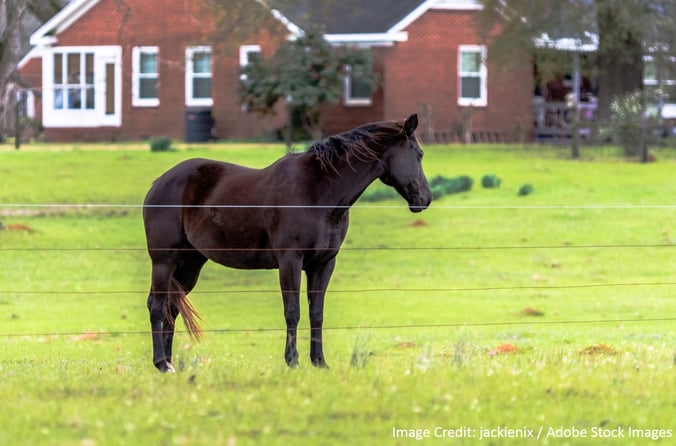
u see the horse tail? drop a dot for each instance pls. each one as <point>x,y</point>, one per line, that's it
<point>186,309</point>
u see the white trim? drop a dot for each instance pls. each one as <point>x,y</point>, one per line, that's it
<point>459,5</point>
<point>136,76</point>
<point>190,101</point>
<point>482,100</point>
<point>30,104</point>
<point>244,52</point>
<point>61,20</point>
<point>367,39</point>
<point>33,53</point>
<point>293,29</point>
<point>454,5</point>
<point>96,117</point>
<point>412,16</point>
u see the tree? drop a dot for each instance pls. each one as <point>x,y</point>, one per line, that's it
<point>14,15</point>
<point>309,74</point>
<point>626,29</point>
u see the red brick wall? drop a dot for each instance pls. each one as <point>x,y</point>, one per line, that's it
<point>172,25</point>
<point>427,64</point>
<point>421,75</point>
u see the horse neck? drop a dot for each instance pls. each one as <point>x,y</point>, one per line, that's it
<point>348,180</point>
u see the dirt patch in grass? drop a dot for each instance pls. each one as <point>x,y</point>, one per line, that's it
<point>598,349</point>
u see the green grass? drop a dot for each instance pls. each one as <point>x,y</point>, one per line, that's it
<point>424,326</point>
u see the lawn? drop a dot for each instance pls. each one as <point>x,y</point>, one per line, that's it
<point>489,317</point>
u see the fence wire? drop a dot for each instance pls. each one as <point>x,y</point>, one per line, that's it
<point>32,207</point>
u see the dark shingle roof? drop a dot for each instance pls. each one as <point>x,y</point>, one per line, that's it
<point>346,16</point>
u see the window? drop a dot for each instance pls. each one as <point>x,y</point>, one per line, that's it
<point>472,75</point>
<point>82,86</point>
<point>198,76</point>
<point>659,76</point>
<point>73,77</point>
<point>357,92</point>
<point>247,55</point>
<point>145,75</point>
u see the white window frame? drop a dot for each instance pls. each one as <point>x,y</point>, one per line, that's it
<point>190,100</point>
<point>668,108</point>
<point>245,52</point>
<point>136,76</point>
<point>348,99</point>
<point>482,74</point>
<point>80,118</point>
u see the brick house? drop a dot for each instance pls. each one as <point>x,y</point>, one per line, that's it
<point>137,69</point>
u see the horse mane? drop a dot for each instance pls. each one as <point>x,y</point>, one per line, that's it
<point>366,144</point>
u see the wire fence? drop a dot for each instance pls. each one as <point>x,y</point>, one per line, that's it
<point>418,290</point>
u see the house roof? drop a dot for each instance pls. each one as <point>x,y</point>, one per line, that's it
<point>375,21</point>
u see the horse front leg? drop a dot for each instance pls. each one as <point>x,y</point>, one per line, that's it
<point>317,282</point>
<point>289,280</point>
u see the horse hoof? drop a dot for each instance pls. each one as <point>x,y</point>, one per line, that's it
<point>320,364</point>
<point>165,367</point>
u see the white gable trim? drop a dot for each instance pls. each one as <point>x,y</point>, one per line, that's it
<point>61,20</point>
<point>371,39</point>
<point>455,5</point>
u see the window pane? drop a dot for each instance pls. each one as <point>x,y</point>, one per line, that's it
<point>89,101</point>
<point>470,87</point>
<point>74,68</point>
<point>201,62</point>
<point>58,98</point>
<point>471,62</point>
<point>148,88</point>
<point>110,89</point>
<point>148,63</point>
<point>649,70</point>
<point>201,88</point>
<point>58,68</point>
<point>74,98</point>
<point>359,89</point>
<point>253,56</point>
<point>89,67</point>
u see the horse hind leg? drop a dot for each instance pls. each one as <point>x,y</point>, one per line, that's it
<point>162,315</point>
<point>172,281</point>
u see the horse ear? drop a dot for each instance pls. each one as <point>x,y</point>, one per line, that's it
<point>411,124</point>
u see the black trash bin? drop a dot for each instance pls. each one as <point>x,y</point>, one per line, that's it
<point>199,124</point>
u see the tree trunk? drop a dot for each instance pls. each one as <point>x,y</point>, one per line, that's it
<point>10,53</point>
<point>620,53</point>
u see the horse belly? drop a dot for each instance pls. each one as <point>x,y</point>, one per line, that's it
<point>242,258</point>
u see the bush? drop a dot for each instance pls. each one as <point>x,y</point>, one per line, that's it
<point>625,125</point>
<point>441,185</point>
<point>490,181</point>
<point>162,144</point>
<point>526,189</point>
<point>379,194</point>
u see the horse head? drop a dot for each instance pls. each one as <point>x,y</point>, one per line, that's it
<point>402,163</point>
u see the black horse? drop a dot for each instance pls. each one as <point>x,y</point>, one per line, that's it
<point>291,216</point>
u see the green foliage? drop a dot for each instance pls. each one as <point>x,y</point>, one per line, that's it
<point>526,189</point>
<point>375,194</point>
<point>308,73</point>
<point>625,126</point>
<point>490,181</point>
<point>161,144</point>
<point>441,185</point>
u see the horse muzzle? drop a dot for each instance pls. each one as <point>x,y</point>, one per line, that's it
<point>418,198</point>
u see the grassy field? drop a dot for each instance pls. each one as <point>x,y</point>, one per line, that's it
<point>489,317</point>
